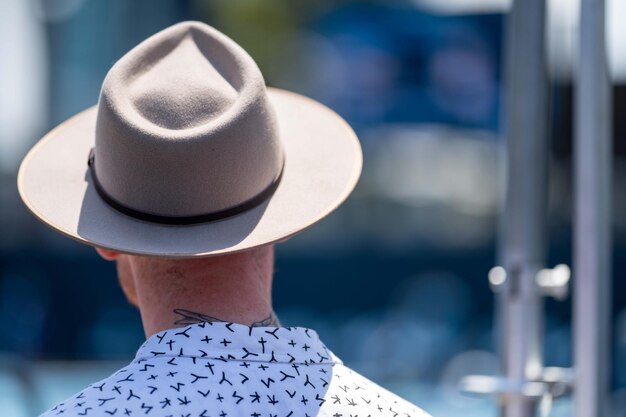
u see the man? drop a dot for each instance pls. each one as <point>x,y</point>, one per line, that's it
<point>185,174</point>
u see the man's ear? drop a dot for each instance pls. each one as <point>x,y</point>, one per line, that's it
<point>109,255</point>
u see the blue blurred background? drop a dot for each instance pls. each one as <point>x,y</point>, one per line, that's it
<point>396,279</point>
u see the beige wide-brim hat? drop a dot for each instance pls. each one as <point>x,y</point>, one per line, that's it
<point>188,154</point>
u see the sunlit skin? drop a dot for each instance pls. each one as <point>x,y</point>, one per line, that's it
<point>235,287</point>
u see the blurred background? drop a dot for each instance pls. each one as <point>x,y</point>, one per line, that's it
<point>397,278</point>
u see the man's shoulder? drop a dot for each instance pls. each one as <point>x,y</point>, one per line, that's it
<point>234,387</point>
<point>351,389</point>
<point>100,398</point>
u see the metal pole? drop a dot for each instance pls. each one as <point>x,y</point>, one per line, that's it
<point>523,234</point>
<point>592,228</point>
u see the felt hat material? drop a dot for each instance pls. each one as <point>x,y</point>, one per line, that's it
<point>189,154</point>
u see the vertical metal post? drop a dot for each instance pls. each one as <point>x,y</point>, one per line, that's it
<point>592,227</point>
<point>522,243</point>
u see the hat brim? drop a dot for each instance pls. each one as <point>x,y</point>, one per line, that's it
<point>323,162</point>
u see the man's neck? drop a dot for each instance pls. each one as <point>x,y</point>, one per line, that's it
<point>234,288</point>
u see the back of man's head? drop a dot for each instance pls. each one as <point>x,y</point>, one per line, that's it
<point>233,287</point>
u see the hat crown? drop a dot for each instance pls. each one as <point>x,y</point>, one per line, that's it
<point>183,89</point>
<point>184,126</point>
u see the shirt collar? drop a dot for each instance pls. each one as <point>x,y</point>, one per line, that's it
<point>232,341</point>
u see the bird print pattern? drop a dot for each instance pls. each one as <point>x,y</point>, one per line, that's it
<point>217,369</point>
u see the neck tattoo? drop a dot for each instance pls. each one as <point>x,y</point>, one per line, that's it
<point>192,317</point>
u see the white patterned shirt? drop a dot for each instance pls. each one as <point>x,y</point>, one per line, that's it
<point>231,370</point>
